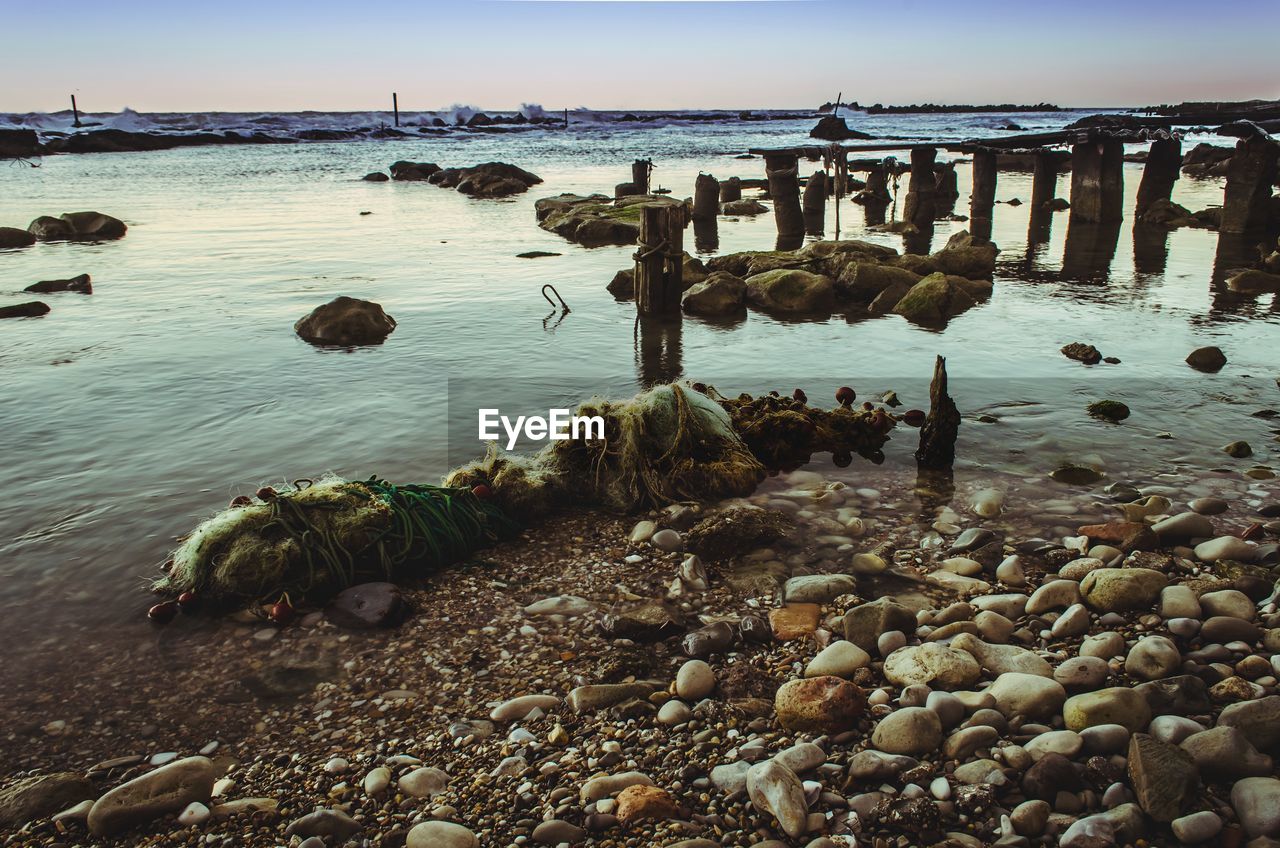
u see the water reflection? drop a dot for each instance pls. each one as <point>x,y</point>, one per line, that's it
<point>1150,248</point>
<point>706,235</point>
<point>658,349</point>
<point>1089,251</point>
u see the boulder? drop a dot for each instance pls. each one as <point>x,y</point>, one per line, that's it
<point>934,664</point>
<point>490,179</point>
<point>375,177</point>
<point>11,237</point>
<point>1122,589</point>
<point>19,143</point>
<point>865,281</point>
<point>719,295</point>
<point>1116,705</point>
<point>1165,213</point>
<point>80,226</point>
<point>789,291</point>
<point>819,704</point>
<point>32,798</point>
<point>346,322</point>
<point>412,171</point>
<point>938,298</point>
<point>1164,777</point>
<point>147,797</point>
<point>30,309</point>
<point>596,220</point>
<point>746,206</point>
<point>834,128</point>
<point>1208,359</point>
<point>78,284</point>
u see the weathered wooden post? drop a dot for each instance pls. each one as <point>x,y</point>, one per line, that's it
<point>706,198</point>
<point>1164,164</point>
<point>1246,201</point>
<point>730,190</point>
<point>876,191</point>
<point>1044,178</point>
<point>1097,181</point>
<point>948,183</point>
<point>982,200</point>
<point>640,171</point>
<point>395,107</point>
<point>75,112</point>
<point>938,433</point>
<point>921,204</point>
<point>815,203</point>
<point>782,170</point>
<point>659,274</point>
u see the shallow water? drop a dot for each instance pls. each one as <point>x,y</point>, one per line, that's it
<point>130,414</point>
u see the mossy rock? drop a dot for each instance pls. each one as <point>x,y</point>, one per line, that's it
<point>596,221</point>
<point>791,291</point>
<point>938,298</point>
<point>1108,410</point>
<point>864,281</point>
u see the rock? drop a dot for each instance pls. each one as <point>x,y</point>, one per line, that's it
<point>1081,352</point>
<point>1197,827</point>
<point>1103,645</point>
<point>1108,410</point>
<point>1184,525</point>
<point>719,295</point>
<point>839,659</point>
<point>667,540</point>
<point>441,834</point>
<point>940,297</point>
<point>1105,739</point>
<point>745,206</point>
<point>1179,601</point>
<point>611,784</point>
<point>1225,547</point>
<point>775,790</point>
<point>1225,753</point>
<point>1085,672</point>
<point>29,799</point>
<point>1209,359</point>
<point>1068,743</point>
<point>674,712</point>
<point>346,322</point>
<point>165,790</point>
<point>30,309</point>
<point>79,284</point>
<point>640,803</point>
<point>1256,801</point>
<point>375,177</point>
<point>1051,774</point>
<point>325,824</point>
<point>600,696</point>
<point>412,171</point>
<point>1152,658</point>
<point>555,832</point>
<point>376,781</point>
<point>1030,818</point>
<point>931,663</point>
<point>1117,705</point>
<point>1258,720</point>
<point>1237,449</point>
<point>715,638</point>
<point>1225,628</point>
<point>1163,776</point>
<point>516,709</point>
<point>909,730</point>
<point>999,659</point>
<point>366,606</point>
<point>818,588</point>
<point>487,180</point>
<point>1053,595</point>
<point>1028,695</point>
<point>730,778</point>
<point>834,128</point>
<point>79,226</point>
<point>695,680</point>
<point>1089,832</point>
<point>193,815</point>
<point>790,291</point>
<point>1178,695</point>
<point>570,606</point>
<point>820,704</point>
<point>12,237</point>
<point>801,757</point>
<point>1122,589</point>
<point>596,220</point>
<point>424,782</point>
<point>864,623</point>
<point>1228,602</point>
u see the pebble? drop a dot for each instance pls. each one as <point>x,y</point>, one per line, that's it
<point>910,730</point>
<point>667,540</point>
<point>441,834</point>
<point>839,659</point>
<point>695,680</point>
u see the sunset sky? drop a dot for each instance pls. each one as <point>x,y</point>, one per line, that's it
<point>613,54</point>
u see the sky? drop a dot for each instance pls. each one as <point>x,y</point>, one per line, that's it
<point>294,55</point>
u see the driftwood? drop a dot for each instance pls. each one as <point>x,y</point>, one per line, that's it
<point>938,434</point>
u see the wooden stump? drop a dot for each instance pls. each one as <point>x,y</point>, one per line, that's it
<point>1164,165</point>
<point>921,204</point>
<point>938,435</point>
<point>784,190</point>
<point>730,190</point>
<point>640,170</point>
<point>983,199</point>
<point>706,198</point>
<point>1044,179</point>
<point>659,273</point>
<point>1246,202</point>
<point>1097,181</point>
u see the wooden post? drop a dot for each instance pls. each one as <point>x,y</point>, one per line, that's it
<point>640,170</point>
<point>947,184</point>
<point>983,199</point>
<point>784,190</point>
<point>938,434</point>
<point>566,119</point>
<point>1097,181</point>
<point>395,107</point>
<point>730,190</point>
<point>75,112</point>
<point>706,198</point>
<point>1044,180</point>
<point>1164,164</point>
<point>659,274</point>
<point>815,203</point>
<point>1246,201</point>
<point>921,203</point>
<point>876,191</point>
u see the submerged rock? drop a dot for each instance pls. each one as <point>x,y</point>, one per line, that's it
<point>80,226</point>
<point>1209,359</point>
<point>78,284</point>
<point>940,297</point>
<point>345,322</point>
<point>30,309</point>
<point>1081,352</point>
<point>491,179</point>
<point>412,171</point>
<point>11,237</point>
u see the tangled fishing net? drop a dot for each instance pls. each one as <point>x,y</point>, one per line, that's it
<point>319,538</point>
<point>672,443</point>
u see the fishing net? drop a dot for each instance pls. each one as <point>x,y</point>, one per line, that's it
<point>316,539</point>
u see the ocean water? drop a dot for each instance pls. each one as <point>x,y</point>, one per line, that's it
<point>129,415</point>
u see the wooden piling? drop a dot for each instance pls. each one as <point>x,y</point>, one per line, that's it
<point>784,189</point>
<point>921,204</point>
<point>730,190</point>
<point>706,198</point>
<point>395,107</point>
<point>1164,164</point>
<point>941,427</point>
<point>1097,181</point>
<point>1044,179</point>
<point>982,200</point>
<point>876,191</point>
<point>815,203</point>
<point>1246,201</point>
<point>640,171</point>
<point>75,112</point>
<point>659,273</point>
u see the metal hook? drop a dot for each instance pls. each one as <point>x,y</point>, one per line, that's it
<point>564,306</point>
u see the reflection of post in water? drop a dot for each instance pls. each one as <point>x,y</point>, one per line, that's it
<point>1090,249</point>
<point>982,199</point>
<point>706,235</point>
<point>919,242</point>
<point>1234,251</point>
<point>1044,188</point>
<point>657,348</point>
<point>793,242</point>
<point>1150,248</point>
